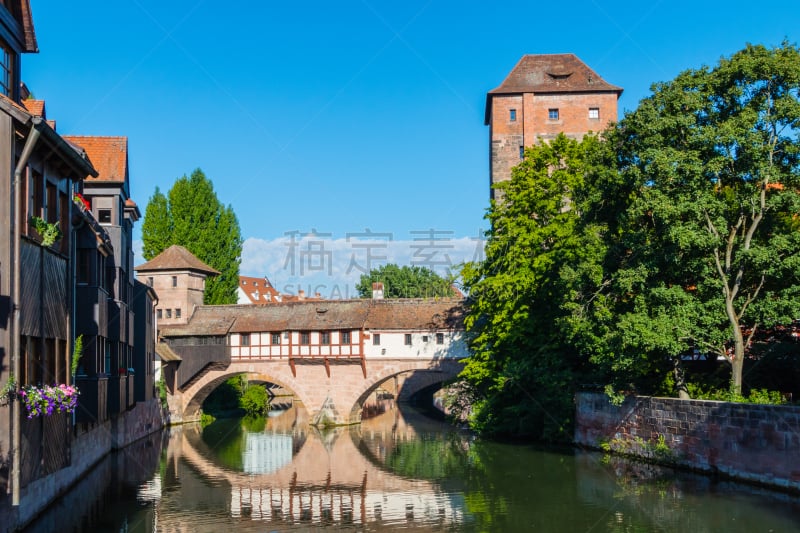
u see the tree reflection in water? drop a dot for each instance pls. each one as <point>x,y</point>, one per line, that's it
<point>398,470</point>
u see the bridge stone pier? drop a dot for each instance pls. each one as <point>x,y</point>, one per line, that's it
<point>333,395</point>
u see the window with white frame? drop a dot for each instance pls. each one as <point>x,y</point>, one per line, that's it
<point>594,112</point>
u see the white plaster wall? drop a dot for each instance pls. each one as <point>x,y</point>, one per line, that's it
<point>393,345</point>
<point>241,297</point>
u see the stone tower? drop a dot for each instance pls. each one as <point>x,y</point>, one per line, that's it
<point>178,278</point>
<point>544,95</point>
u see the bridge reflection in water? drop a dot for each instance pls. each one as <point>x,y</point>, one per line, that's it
<point>396,471</point>
<point>288,473</point>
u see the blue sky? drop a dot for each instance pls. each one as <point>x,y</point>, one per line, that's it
<point>331,118</point>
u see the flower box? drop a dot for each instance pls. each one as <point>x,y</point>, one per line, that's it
<point>46,400</point>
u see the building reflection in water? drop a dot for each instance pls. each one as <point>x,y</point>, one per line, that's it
<point>398,470</point>
<point>290,473</point>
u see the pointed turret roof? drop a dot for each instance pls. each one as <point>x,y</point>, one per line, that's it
<point>176,258</point>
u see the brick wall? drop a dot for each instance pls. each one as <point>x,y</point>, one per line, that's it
<point>531,123</point>
<point>758,443</point>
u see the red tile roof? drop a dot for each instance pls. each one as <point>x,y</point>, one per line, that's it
<point>109,155</point>
<point>553,73</point>
<point>393,314</point>
<point>259,290</point>
<point>34,107</point>
<point>17,107</point>
<point>176,258</point>
<point>550,73</point>
<point>416,313</point>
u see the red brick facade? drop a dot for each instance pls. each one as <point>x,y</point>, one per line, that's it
<point>545,95</point>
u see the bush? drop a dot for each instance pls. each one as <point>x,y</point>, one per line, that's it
<point>162,392</point>
<point>206,419</point>
<point>758,396</point>
<point>255,400</point>
<point>225,399</point>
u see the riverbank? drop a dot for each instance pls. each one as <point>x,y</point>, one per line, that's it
<point>90,444</point>
<point>397,471</point>
<point>745,442</point>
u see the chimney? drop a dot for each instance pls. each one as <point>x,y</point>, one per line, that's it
<point>377,291</point>
<point>301,294</point>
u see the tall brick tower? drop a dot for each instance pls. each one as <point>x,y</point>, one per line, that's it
<point>544,95</point>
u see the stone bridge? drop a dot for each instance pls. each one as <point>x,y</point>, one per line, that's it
<point>332,394</point>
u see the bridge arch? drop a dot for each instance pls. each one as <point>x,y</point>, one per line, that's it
<point>412,380</point>
<point>194,395</point>
<point>332,395</point>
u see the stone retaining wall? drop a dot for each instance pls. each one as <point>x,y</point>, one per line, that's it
<point>87,449</point>
<point>757,443</point>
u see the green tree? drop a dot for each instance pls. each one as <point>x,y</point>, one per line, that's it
<point>405,282</point>
<point>711,230</point>
<point>193,217</point>
<point>156,228</point>
<point>522,371</point>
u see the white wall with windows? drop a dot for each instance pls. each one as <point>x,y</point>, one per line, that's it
<point>269,345</point>
<point>434,344</point>
<point>429,344</point>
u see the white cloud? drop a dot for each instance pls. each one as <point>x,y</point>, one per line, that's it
<point>138,256</point>
<point>332,267</point>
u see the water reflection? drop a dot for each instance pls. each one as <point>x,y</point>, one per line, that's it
<point>396,471</point>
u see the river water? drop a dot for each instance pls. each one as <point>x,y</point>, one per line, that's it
<point>397,471</point>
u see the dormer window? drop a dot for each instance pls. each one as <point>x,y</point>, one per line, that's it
<point>559,75</point>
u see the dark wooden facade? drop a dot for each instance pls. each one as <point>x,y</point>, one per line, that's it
<point>39,170</point>
<point>144,332</point>
<point>197,354</point>
<point>81,284</point>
